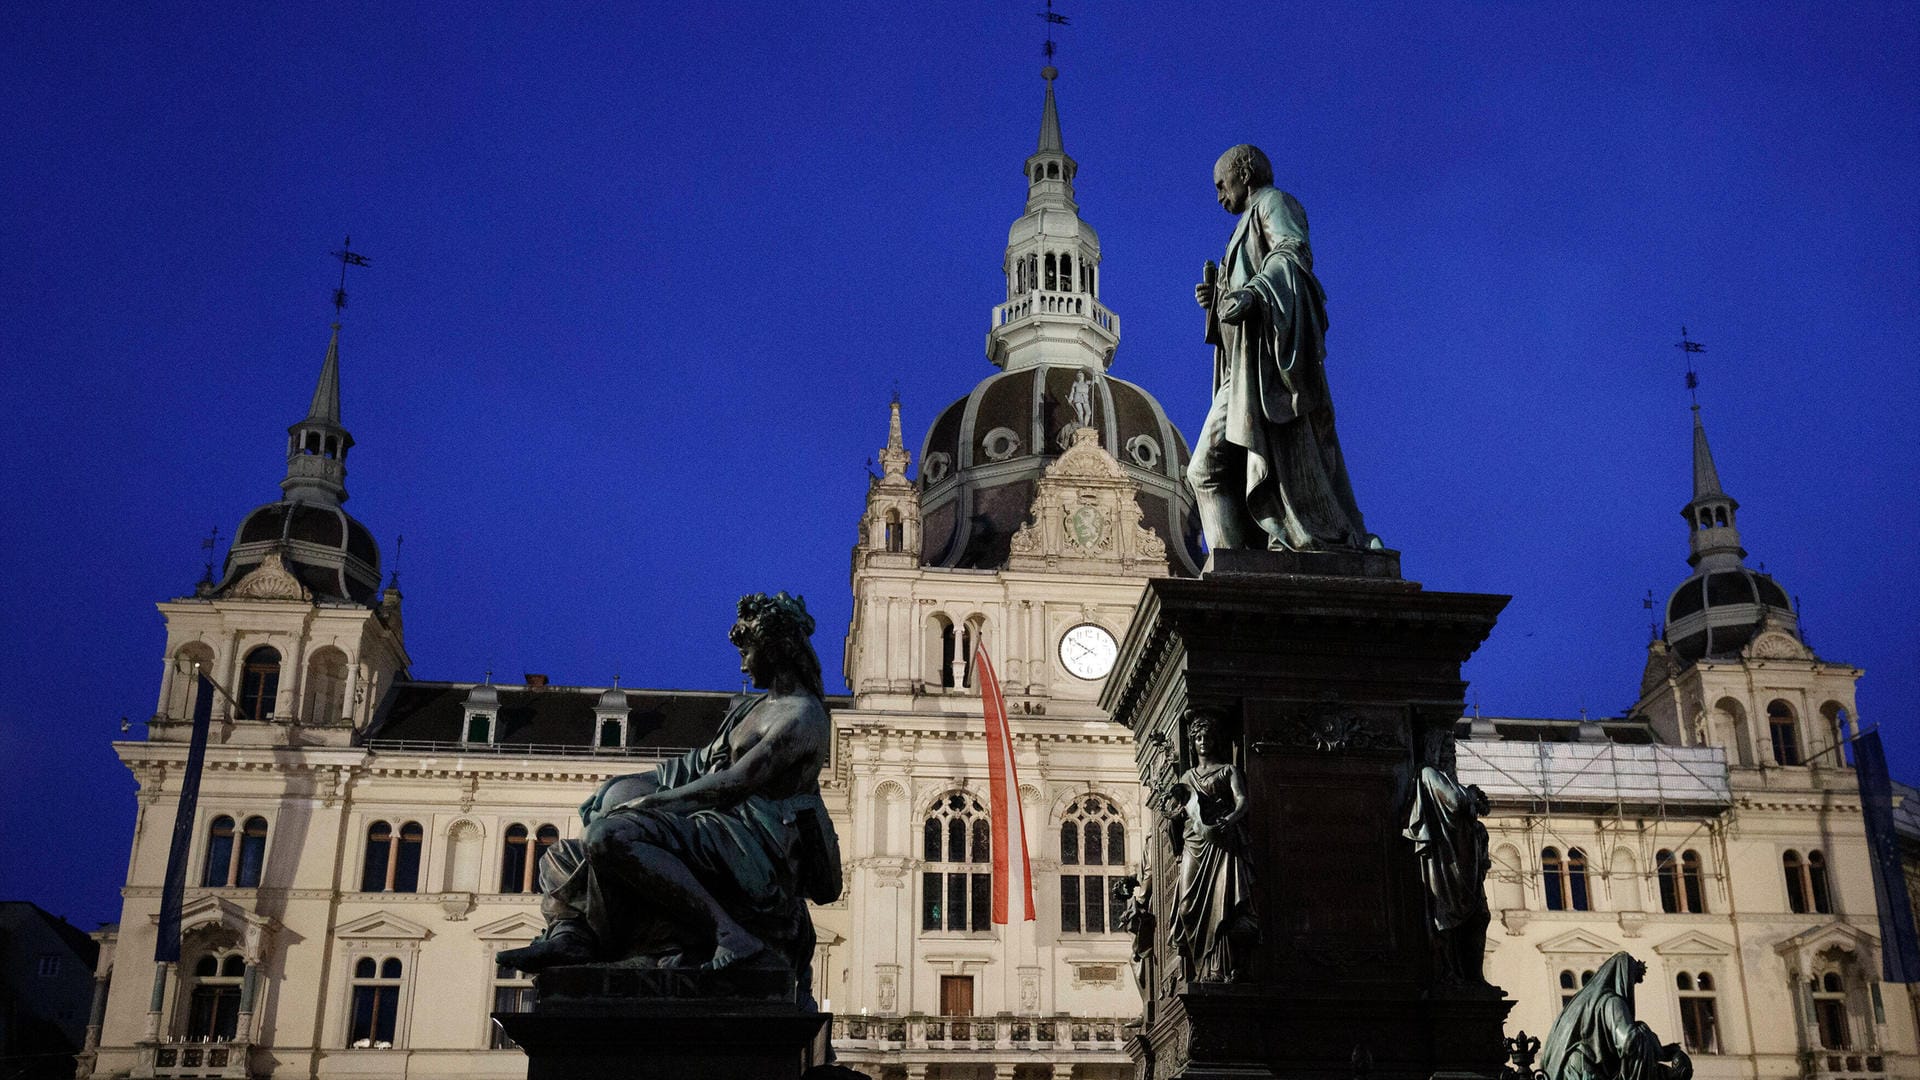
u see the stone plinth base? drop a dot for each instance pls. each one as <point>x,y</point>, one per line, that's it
<point>615,1022</point>
<point>1370,563</point>
<point>1333,682</point>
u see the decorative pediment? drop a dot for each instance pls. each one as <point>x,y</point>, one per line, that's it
<point>1579,941</point>
<point>1085,517</point>
<point>1833,937</point>
<point>218,915</point>
<point>271,580</point>
<point>382,926</point>
<point>519,926</point>
<point>1693,943</point>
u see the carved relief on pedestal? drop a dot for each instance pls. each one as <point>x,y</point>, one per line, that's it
<point>1084,511</point>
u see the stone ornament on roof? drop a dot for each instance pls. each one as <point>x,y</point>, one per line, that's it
<point>1084,510</point>
<point>271,580</point>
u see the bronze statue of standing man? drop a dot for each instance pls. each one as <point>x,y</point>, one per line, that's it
<point>1266,471</point>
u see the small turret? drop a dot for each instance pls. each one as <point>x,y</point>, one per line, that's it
<point>317,446</point>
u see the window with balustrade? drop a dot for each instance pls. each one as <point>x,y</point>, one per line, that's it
<point>1699,1012</point>
<point>392,861</point>
<point>1830,1011</point>
<point>1093,859</point>
<point>957,882</point>
<point>213,1002</point>
<point>373,1012</point>
<point>520,857</point>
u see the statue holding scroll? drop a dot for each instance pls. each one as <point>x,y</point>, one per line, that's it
<point>1214,925</point>
<point>1266,471</point>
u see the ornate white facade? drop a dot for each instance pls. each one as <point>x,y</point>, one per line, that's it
<point>364,841</point>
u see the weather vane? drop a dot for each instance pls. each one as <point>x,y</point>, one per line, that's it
<point>348,257</point>
<point>1054,19</point>
<point>1689,347</point>
<point>210,545</point>
<point>1653,621</point>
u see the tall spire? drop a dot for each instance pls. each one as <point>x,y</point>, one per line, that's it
<point>894,458</point>
<point>1050,117</point>
<point>1052,314</point>
<point>1713,533</point>
<point>317,446</point>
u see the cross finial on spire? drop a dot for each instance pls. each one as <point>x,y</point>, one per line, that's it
<point>1653,623</point>
<point>348,257</point>
<point>1048,48</point>
<point>1688,347</point>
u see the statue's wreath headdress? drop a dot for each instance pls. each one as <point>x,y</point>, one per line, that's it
<point>781,622</point>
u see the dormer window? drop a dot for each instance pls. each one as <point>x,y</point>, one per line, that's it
<point>479,728</point>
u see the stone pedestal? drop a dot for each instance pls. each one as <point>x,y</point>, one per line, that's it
<point>1335,691</point>
<point>612,1022</point>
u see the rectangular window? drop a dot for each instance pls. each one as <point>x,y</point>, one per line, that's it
<point>1070,904</point>
<point>375,1010</point>
<point>49,966</point>
<point>956,901</point>
<point>1096,911</point>
<point>1699,1025</point>
<point>930,901</point>
<point>1832,1016</point>
<point>1116,902</point>
<point>509,999</point>
<point>983,902</point>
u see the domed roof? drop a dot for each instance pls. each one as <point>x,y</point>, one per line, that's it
<point>613,699</point>
<point>1714,615</point>
<point>985,452</point>
<point>331,553</point>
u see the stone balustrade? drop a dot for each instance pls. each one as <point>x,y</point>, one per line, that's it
<point>1002,1032</point>
<point>1044,302</point>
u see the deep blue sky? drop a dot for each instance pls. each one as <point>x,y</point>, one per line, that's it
<point>644,278</point>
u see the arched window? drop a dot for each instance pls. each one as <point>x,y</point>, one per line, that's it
<point>1066,273</point>
<point>1817,883</point>
<point>520,861</point>
<point>1093,838</point>
<point>260,683</point>
<point>253,853</point>
<point>393,858</point>
<point>235,856</point>
<point>1053,170</point>
<point>1681,886</point>
<point>895,532</point>
<point>213,1007</point>
<point>1786,733</point>
<point>326,696</point>
<point>1699,1016</point>
<point>957,885</point>
<point>183,678</point>
<point>1799,890</point>
<point>1053,273</point>
<point>970,637</point>
<point>941,649</point>
<point>1837,725</point>
<point>376,1003</point>
<point>1830,1011</point>
<point>219,853</point>
<point>1553,879</point>
<point>1569,986</point>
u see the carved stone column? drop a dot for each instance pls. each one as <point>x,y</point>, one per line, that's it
<point>1332,692</point>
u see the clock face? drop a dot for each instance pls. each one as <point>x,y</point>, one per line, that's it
<point>1087,651</point>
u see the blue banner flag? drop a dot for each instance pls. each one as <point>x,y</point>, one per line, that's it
<point>1899,947</point>
<point>166,949</point>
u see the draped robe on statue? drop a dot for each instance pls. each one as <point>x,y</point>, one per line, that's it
<point>1597,1038</point>
<point>1267,468</point>
<point>761,857</point>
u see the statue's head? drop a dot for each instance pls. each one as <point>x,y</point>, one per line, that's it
<point>1240,172</point>
<point>1479,800</point>
<point>1207,730</point>
<point>773,634</point>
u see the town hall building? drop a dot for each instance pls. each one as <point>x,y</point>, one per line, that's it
<point>367,837</point>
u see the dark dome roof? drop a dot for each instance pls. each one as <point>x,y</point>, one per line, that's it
<point>985,452</point>
<point>331,553</point>
<point>1714,615</point>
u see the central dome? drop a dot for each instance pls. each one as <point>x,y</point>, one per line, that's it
<point>985,453</point>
